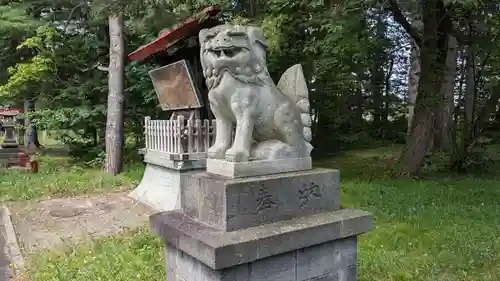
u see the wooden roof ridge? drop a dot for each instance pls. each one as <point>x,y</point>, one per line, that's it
<point>173,35</point>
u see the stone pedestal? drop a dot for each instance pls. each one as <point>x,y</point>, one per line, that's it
<point>257,168</point>
<point>164,177</point>
<point>9,156</point>
<point>285,226</point>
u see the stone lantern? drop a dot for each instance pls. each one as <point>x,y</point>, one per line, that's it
<point>10,139</point>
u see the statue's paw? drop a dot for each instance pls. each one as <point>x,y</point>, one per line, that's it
<point>237,155</point>
<point>217,151</point>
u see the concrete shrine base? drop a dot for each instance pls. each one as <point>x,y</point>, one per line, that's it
<point>160,187</point>
<point>320,246</point>
<point>286,227</point>
<point>334,260</point>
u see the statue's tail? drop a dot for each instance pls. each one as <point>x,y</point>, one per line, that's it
<point>293,84</point>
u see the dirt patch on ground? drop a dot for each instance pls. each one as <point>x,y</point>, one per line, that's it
<point>58,222</point>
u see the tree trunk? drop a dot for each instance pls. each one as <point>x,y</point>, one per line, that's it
<point>413,80</point>
<point>377,78</point>
<point>31,130</point>
<point>388,86</point>
<point>377,87</point>
<point>487,110</point>
<point>415,67</point>
<point>357,120</point>
<point>433,50</point>
<point>456,149</point>
<point>469,102</point>
<point>444,115</point>
<point>114,123</point>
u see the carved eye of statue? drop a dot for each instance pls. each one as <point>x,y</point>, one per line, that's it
<point>209,37</point>
<point>236,33</point>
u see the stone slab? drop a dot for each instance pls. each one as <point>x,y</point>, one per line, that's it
<point>257,168</point>
<point>232,204</point>
<point>9,156</point>
<point>9,145</point>
<point>160,187</point>
<point>167,160</point>
<point>10,151</point>
<point>11,244</point>
<point>5,261</point>
<point>331,261</point>
<point>219,249</point>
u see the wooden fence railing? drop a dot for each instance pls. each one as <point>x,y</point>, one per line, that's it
<point>180,135</point>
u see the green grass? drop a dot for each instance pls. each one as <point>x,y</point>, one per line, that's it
<point>58,177</point>
<point>132,256</point>
<point>442,228</point>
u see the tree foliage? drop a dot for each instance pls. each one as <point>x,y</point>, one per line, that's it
<point>355,55</point>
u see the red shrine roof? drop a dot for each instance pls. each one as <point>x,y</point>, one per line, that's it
<point>168,38</point>
<point>10,111</point>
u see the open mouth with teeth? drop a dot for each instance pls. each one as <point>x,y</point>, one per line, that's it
<point>228,52</point>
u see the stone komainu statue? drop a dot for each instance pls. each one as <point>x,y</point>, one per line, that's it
<point>272,121</point>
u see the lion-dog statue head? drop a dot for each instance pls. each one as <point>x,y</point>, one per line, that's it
<point>239,50</point>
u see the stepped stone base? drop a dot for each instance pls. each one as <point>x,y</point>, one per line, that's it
<point>9,156</point>
<point>219,249</point>
<point>330,261</point>
<point>286,227</point>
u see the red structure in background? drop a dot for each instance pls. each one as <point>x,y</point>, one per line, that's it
<point>23,159</point>
<point>10,111</point>
<point>170,37</point>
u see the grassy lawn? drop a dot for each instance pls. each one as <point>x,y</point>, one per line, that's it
<point>58,177</point>
<point>442,228</point>
<point>132,256</point>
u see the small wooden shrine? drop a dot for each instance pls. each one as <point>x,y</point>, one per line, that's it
<point>179,83</point>
<point>178,145</point>
<point>181,90</point>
